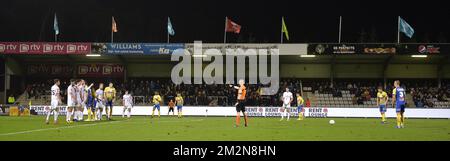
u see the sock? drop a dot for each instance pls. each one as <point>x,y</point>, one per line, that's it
<point>123,113</point>
<point>99,115</point>
<point>301,115</point>
<point>238,119</point>
<point>402,119</point>
<point>78,115</point>
<point>89,114</point>
<point>288,115</point>
<point>245,119</point>
<point>55,116</point>
<point>159,113</point>
<point>398,119</point>
<point>284,113</point>
<point>68,116</point>
<point>153,113</point>
<point>48,115</point>
<point>383,117</point>
<point>129,114</point>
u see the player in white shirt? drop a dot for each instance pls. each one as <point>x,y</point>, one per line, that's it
<point>79,106</point>
<point>287,99</point>
<point>100,98</point>
<point>127,104</point>
<point>55,101</point>
<point>83,89</point>
<point>71,100</point>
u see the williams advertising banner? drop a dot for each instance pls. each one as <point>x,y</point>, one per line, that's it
<point>100,70</point>
<point>44,48</point>
<point>140,48</point>
<point>378,49</point>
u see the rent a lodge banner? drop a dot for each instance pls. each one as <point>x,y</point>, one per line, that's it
<point>142,48</point>
<point>312,112</point>
<point>44,48</point>
<point>100,70</point>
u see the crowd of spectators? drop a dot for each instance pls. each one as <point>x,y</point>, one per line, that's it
<point>423,92</point>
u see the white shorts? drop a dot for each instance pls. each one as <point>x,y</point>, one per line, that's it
<point>100,105</point>
<point>54,105</point>
<point>286,105</point>
<point>70,103</point>
<point>127,106</point>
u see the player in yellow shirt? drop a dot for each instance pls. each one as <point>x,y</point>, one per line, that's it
<point>156,101</point>
<point>179,102</point>
<point>300,102</point>
<point>110,94</point>
<point>382,99</point>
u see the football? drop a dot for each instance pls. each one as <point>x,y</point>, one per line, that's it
<point>332,122</point>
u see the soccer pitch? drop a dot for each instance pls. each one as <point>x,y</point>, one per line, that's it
<point>144,128</point>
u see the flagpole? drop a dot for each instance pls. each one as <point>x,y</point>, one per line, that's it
<point>168,37</point>
<point>398,30</point>
<point>56,37</point>
<point>225,32</point>
<point>112,36</point>
<point>340,28</point>
<point>281,36</point>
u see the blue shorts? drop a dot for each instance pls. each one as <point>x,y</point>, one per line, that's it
<point>400,108</point>
<point>109,103</point>
<point>299,108</point>
<point>179,107</point>
<point>383,108</point>
<point>156,106</point>
<point>91,104</point>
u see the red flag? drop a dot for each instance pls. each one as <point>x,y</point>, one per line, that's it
<point>114,25</point>
<point>232,27</point>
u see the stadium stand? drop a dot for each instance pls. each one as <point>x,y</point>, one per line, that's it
<point>320,92</point>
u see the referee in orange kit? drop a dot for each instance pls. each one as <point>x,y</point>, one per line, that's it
<point>240,105</point>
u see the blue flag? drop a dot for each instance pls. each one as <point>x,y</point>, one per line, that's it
<point>405,28</point>
<point>55,25</point>
<point>169,27</point>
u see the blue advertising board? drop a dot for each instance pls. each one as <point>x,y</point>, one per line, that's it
<point>142,48</point>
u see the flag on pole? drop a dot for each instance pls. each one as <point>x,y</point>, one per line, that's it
<point>232,26</point>
<point>114,25</point>
<point>405,28</point>
<point>55,25</point>
<point>170,28</point>
<point>284,28</point>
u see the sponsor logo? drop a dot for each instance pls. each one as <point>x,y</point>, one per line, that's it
<point>344,49</point>
<point>2,48</point>
<point>428,49</point>
<point>320,49</point>
<point>317,112</point>
<point>380,50</point>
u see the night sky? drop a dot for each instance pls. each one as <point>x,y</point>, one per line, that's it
<point>145,21</point>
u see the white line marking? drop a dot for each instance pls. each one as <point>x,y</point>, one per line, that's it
<point>56,128</point>
<point>67,127</point>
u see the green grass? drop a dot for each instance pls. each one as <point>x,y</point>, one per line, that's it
<point>222,129</point>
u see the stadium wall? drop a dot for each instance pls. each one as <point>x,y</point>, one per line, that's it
<point>275,112</point>
<point>412,71</point>
<point>316,70</point>
<point>446,71</point>
<point>358,71</point>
